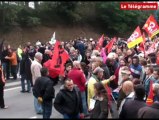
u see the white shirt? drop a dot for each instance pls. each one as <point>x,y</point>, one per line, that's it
<point>35,70</point>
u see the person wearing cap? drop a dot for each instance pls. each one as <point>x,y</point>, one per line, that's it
<point>125,74</point>
<point>96,77</point>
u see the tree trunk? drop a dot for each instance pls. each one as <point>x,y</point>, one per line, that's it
<point>26,4</point>
<point>36,5</point>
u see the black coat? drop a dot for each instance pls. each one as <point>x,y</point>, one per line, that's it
<point>100,109</point>
<point>4,54</point>
<point>25,66</point>
<point>131,107</point>
<point>149,112</point>
<point>68,102</point>
<point>43,87</point>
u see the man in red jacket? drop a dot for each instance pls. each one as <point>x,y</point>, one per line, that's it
<point>78,77</point>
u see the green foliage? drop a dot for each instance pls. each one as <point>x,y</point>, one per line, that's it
<point>33,21</point>
<point>105,15</point>
<point>119,21</point>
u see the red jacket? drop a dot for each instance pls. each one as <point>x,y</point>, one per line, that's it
<point>78,78</point>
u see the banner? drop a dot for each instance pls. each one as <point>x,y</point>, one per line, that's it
<point>56,64</point>
<point>109,46</point>
<point>135,38</point>
<point>151,27</point>
<point>100,43</point>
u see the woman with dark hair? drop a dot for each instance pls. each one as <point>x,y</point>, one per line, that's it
<point>100,109</point>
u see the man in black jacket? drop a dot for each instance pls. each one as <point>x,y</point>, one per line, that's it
<point>150,111</point>
<point>43,90</point>
<point>131,106</point>
<point>68,101</point>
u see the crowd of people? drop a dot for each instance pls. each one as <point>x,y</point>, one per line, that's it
<point>93,78</point>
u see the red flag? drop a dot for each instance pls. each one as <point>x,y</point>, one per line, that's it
<point>151,26</point>
<point>101,39</point>
<point>110,45</point>
<point>149,100</point>
<point>135,38</point>
<point>109,92</point>
<point>100,42</point>
<point>64,57</point>
<point>56,64</point>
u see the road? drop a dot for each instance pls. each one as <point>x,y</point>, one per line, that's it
<point>21,105</point>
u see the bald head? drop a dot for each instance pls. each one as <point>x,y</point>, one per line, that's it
<point>128,87</point>
<point>39,56</point>
<point>76,64</point>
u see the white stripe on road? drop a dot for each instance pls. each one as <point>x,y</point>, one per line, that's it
<point>12,84</point>
<point>11,89</point>
<point>34,117</point>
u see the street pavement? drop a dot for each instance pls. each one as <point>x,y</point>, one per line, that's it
<point>21,105</point>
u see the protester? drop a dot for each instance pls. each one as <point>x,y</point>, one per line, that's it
<point>100,109</point>
<point>35,70</point>
<point>135,67</point>
<point>156,75</point>
<point>128,90</point>
<point>68,101</point>
<point>150,111</point>
<point>131,106</point>
<point>2,84</point>
<point>78,77</point>
<point>96,77</point>
<point>43,90</point>
<point>23,74</point>
<point>149,77</point>
<point>13,59</point>
<point>5,62</point>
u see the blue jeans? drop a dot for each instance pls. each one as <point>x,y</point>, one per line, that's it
<point>37,106</point>
<point>47,109</point>
<point>66,116</point>
<point>6,70</point>
<point>23,78</point>
<point>84,103</point>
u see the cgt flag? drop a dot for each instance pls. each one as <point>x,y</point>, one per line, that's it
<point>135,38</point>
<point>151,27</point>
